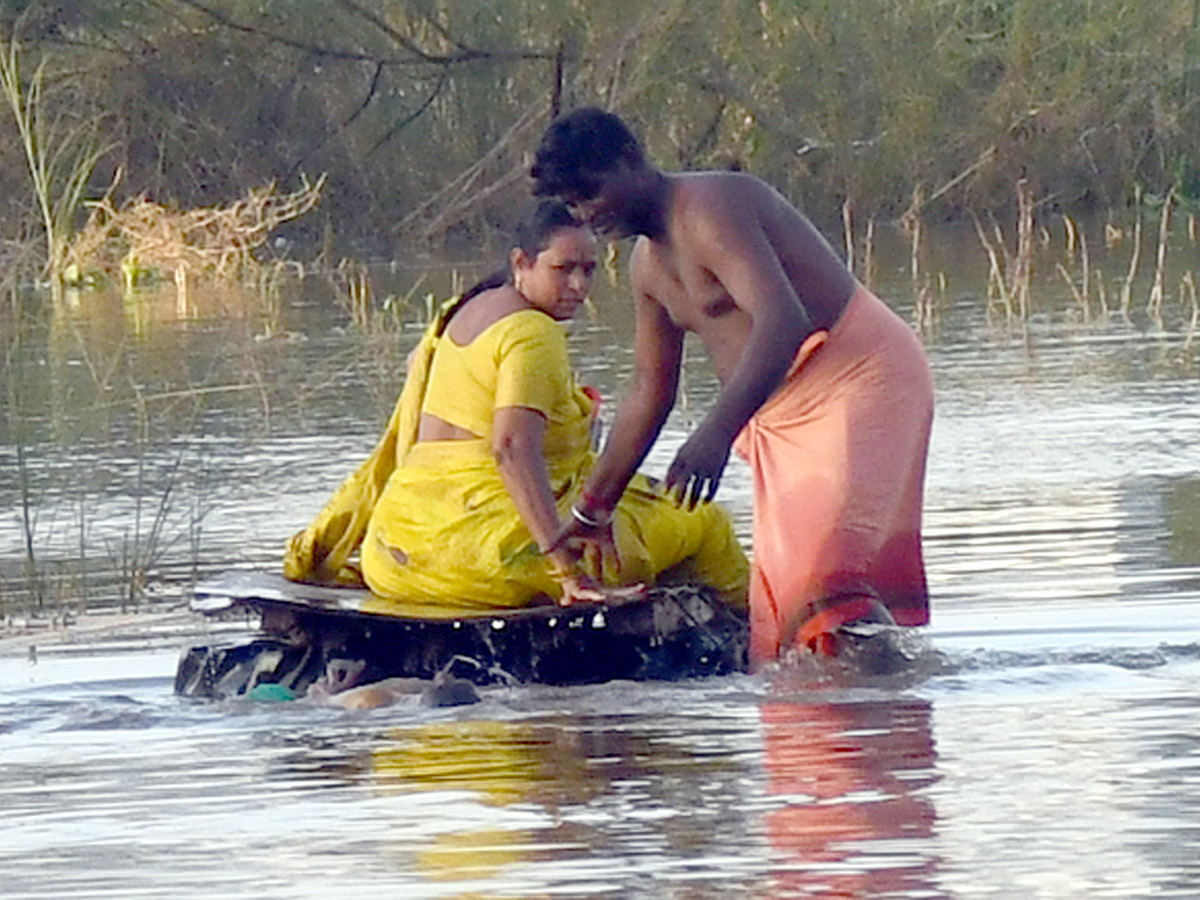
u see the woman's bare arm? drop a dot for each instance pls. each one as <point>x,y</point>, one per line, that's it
<point>517,438</point>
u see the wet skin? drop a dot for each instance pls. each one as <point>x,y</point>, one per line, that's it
<point>723,255</point>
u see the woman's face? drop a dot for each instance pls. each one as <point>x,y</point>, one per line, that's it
<point>558,279</point>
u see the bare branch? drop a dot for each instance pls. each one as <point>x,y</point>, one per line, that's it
<point>226,22</point>
<point>413,116</point>
<point>465,53</point>
<point>376,20</point>
<point>419,56</point>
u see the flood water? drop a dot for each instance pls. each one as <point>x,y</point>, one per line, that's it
<point>1048,747</point>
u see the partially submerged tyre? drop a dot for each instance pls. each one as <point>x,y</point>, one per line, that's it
<point>310,634</point>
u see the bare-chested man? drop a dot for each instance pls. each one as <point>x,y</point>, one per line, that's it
<point>824,390</point>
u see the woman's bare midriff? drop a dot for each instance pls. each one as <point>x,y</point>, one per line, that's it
<point>435,428</point>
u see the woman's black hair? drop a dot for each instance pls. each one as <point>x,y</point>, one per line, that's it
<point>577,149</point>
<point>532,235</point>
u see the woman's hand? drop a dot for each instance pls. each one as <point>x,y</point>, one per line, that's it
<point>582,589</point>
<point>578,564</point>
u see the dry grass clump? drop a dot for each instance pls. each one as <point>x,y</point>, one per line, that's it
<point>216,242</point>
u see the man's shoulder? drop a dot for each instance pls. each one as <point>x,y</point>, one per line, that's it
<point>717,198</point>
<point>718,184</point>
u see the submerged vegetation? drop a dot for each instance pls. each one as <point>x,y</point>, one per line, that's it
<point>60,150</point>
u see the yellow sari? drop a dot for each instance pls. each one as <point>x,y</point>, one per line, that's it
<point>438,533</point>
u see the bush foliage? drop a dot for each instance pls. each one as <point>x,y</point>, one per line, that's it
<point>423,112</point>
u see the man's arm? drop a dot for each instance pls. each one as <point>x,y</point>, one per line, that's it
<point>658,351</point>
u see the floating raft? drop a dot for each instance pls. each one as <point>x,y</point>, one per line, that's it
<point>671,633</point>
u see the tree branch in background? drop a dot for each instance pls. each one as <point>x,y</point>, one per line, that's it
<point>303,158</point>
<point>315,49</point>
<point>418,56</point>
<point>465,52</point>
<point>456,198</point>
<point>411,117</point>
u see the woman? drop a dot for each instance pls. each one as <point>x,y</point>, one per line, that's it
<point>457,510</point>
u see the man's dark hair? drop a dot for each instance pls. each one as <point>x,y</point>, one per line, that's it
<point>577,149</point>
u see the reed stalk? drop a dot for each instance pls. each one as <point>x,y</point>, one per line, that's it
<point>394,307</point>
<point>610,260</point>
<point>924,306</point>
<point>32,570</point>
<point>144,544</point>
<point>1022,271</point>
<point>271,277</point>
<point>869,265</point>
<point>1102,294</point>
<point>1085,260</point>
<point>83,559</point>
<point>60,157</point>
<point>1072,236</point>
<point>352,282</point>
<point>848,232</point>
<point>14,381</point>
<point>1076,245</point>
<point>1187,292</point>
<point>1155,305</point>
<point>1135,255</point>
<point>997,284</point>
<point>1075,292</point>
<point>914,227</point>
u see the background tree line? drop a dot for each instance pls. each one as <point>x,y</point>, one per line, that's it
<point>424,112</point>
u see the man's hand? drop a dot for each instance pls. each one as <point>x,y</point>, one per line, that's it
<point>592,547</point>
<point>579,553</point>
<point>696,471</point>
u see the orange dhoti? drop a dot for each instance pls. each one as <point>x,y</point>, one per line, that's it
<point>838,461</point>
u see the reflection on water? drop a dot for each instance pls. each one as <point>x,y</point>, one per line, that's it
<point>858,816</point>
<point>1034,774</point>
<point>1048,751</point>
<point>1181,502</point>
<point>544,768</point>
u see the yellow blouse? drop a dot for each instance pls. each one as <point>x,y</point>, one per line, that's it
<point>519,360</point>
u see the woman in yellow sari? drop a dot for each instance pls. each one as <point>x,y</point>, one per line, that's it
<point>457,509</point>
